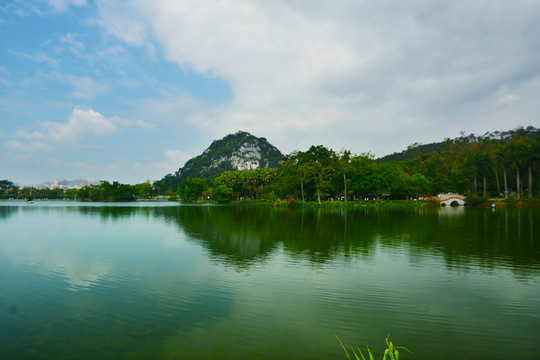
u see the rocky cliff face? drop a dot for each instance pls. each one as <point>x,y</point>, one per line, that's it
<point>240,151</point>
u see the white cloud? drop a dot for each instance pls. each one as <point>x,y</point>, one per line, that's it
<point>63,5</point>
<point>34,135</point>
<point>509,98</point>
<point>84,87</point>
<point>83,122</point>
<point>40,57</point>
<point>34,146</point>
<point>177,157</point>
<point>74,45</point>
<point>130,123</point>
<point>348,74</point>
<point>130,27</point>
<point>174,106</point>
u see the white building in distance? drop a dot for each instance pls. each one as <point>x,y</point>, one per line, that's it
<point>63,184</point>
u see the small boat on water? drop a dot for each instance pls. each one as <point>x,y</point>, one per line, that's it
<point>29,201</point>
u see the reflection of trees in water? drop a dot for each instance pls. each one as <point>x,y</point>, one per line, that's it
<point>247,235</point>
<point>321,235</point>
<point>104,212</point>
<point>477,237</point>
<point>114,213</point>
<point>8,211</point>
<point>237,235</point>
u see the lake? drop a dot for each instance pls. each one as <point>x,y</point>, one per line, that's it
<point>172,281</point>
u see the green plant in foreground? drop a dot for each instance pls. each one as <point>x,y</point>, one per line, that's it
<point>391,352</point>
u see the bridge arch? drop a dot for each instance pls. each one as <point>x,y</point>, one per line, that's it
<point>452,199</point>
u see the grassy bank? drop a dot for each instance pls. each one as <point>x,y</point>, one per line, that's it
<point>335,204</point>
<point>473,200</point>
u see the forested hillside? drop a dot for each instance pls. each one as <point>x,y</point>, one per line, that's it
<point>498,136</point>
<point>411,152</point>
<point>239,151</point>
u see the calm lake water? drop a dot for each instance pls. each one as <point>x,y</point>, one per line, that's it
<point>148,281</point>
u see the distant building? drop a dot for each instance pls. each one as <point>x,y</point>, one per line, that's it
<point>35,186</point>
<point>79,183</point>
<point>95,182</point>
<point>60,184</point>
<point>63,184</point>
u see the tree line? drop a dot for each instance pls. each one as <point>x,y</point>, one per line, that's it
<point>486,166</point>
<point>106,191</point>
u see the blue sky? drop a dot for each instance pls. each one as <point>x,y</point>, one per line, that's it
<point>129,90</point>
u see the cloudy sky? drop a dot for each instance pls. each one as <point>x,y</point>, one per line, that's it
<point>129,90</point>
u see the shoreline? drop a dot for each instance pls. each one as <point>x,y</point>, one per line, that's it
<point>327,204</point>
<point>377,203</point>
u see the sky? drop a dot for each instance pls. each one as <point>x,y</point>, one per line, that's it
<point>129,90</point>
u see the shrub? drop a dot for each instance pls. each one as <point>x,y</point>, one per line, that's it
<point>291,202</point>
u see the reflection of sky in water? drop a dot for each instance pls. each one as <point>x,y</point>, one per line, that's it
<point>83,247</point>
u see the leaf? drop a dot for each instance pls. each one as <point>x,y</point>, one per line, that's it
<point>361,354</point>
<point>356,356</point>
<point>343,346</point>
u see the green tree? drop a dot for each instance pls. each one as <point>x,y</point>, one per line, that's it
<point>222,194</point>
<point>517,151</point>
<point>482,162</point>
<point>122,192</point>
<point>287,179</point>
<point>8,189</point>
<point>71,193</point>
<point>362,169</point>
<point>531,158</point>
<point>144,190</point>
<point>503,159</point>
<point>419,185</point>
<point>83,193</point>
<point>267,177</point>
<point>344,164</point>
<point>96,193</point>
<point>320,166</point>
<point>192,189</point>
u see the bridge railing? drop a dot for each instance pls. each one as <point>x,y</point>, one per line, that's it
<point>447,196</point>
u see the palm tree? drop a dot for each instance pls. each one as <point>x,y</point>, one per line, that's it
<point>344,161</point>
<point>503,158</point>
<point>485,165</point>
<point>532,156</point>
<point>482,164</point>
<point>517,152</point>
<point>537,160</point>
<point>490,147</point>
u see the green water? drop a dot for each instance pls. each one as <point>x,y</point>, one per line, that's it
<point>147,281</point>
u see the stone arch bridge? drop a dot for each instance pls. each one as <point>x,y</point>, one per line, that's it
<point>452,199</point>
